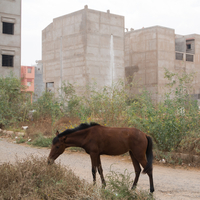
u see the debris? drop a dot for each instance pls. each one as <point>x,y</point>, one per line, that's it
<point>163,161</point>
<point>20,134</point>
<point>24,127</point>
<point>9,132</point>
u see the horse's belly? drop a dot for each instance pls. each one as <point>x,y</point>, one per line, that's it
<point>115,149</point>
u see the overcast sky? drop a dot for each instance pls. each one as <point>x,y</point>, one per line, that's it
<point>181,15</point>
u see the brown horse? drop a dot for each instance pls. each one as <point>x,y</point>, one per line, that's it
<point>98,140</point>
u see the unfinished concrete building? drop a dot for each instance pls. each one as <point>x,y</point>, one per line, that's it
<point>149,50</point>
<point>91,46</point>
<point>10,37</point>
<point>83,47</point>
<point>187,58</point>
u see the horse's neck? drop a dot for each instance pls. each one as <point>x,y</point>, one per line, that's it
<point>76,139</point>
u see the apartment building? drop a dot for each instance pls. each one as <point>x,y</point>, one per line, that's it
<point>10,37</point>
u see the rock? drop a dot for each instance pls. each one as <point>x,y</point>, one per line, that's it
<point>20,133</point>
<point>9,132</point>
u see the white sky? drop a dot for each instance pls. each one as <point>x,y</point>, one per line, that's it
<point>181,15</point>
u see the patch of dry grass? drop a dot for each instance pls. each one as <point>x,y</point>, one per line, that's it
<point>32,178</point>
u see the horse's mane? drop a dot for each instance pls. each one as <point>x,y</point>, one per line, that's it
<point>78,128</point>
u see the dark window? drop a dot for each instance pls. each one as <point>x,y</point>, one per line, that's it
<point>179,56</point>
<point>188,46</point>
<point>8,28</point>
<point>189,57</point>
<point>7,61</point>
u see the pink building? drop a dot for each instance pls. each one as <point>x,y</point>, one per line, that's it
<point>27,78</point>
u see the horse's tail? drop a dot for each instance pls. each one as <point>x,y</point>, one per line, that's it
<point>149,155</point>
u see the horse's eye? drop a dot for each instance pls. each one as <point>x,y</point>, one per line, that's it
<point>57,147</point>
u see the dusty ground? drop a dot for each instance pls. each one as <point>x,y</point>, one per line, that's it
<point>170,183</point>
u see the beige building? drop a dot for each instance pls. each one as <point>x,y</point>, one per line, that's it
<point>83,47</point>
<point>149,50</point>
<point>10,37</point>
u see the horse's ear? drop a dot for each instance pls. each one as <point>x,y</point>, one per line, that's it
<point>57,133</point>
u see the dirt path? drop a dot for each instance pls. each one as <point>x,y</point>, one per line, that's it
<point>170,183</point>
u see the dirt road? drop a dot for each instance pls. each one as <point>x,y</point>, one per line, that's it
<point>170,183</point>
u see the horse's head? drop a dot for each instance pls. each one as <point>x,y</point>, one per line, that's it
<point>58,147</point>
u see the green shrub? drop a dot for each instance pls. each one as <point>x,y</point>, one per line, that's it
<point>169,121</point>
<point>47,106</point>
<point>14,104</point>
<point>42,141</point>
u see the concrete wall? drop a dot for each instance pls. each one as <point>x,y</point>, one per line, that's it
<point>83,47</point>
<point>147,52</point>
<point>166,56</point>
<point>39,84</point>
<point>10,11</point>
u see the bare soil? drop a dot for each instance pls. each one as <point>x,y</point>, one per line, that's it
<point>170,182</point>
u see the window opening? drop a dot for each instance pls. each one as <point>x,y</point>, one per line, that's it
<point>8,28</point>
<point>189,57</point>
<point>179,56</point>
<point>29,81</point>
<point>29,70</point>
<point>7,60</point>
<point>189,46</point>
<point>50,86</point>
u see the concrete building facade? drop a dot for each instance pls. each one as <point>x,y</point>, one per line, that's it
<point>83,47</point>
<point>149,50</point>
<point>187,58</point>
<point>10,37</point>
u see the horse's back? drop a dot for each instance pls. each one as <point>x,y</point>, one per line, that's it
<point>116,141</point>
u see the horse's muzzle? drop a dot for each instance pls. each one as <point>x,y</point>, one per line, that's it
<point>50,161</point>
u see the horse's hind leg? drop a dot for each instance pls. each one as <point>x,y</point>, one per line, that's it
<point>143,162</point>
<point>100,170</point>
<point>137,169</point>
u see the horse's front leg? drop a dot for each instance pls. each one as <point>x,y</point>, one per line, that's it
<point>94,166</point>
